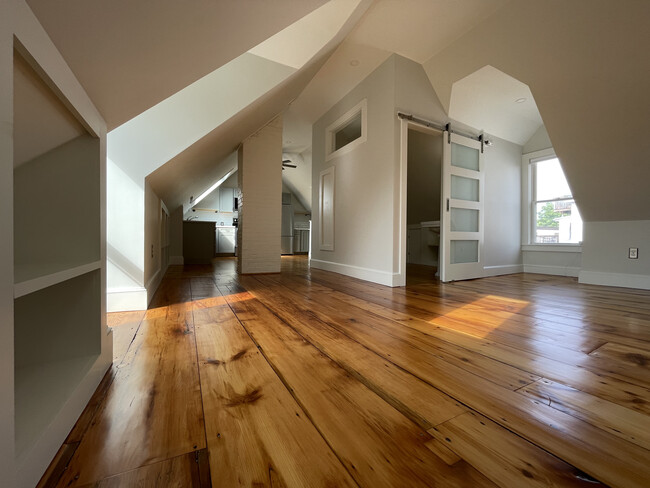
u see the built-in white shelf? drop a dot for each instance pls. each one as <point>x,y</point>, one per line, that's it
<point>41,391</point>
<point>31,278</point>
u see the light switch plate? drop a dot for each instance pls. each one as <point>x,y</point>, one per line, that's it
<point>633,253</point>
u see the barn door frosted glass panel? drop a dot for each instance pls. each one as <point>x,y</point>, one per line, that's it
<point>464,220</point>
<point>464,157</point>
<point>463,252</point>
<point>464,188</point>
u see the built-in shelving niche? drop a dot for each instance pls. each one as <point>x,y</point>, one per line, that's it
<point>57,255</point>
<point>56,343</point>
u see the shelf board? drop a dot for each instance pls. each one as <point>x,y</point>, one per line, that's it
<point>41,391</point>
<point>52,276</point>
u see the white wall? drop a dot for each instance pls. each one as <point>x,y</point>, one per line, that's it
<point>125,241</point>
<point>538,141</point>
<point>365,185</point>
<point>553,260</point>
<point>605,254</point>
<point>260,182</point>
<point>502,247</point>
<point>153,266</point>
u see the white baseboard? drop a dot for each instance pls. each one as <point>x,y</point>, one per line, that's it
<point>176,261</point>
<point>615,279</point>
<point>126,299</point>
<point>366,274</point>
<point>153,284</point>
<point>502,269</point>
<point>572,271</point>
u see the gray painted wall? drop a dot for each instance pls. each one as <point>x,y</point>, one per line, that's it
<point>502,205</point>
<point>365,179</point>
<point>605,253</point>
<point>539,140</point>
<point>367,194</point>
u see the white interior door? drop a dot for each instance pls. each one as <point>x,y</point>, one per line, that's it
<point>461,211</point>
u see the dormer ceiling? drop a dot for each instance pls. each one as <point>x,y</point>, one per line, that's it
<point>130,54</point>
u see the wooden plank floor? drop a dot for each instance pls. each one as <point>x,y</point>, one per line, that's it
<point>309,378</point>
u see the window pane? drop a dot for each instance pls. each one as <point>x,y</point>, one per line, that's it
<point>464,188</point>
<point>464,157</point>
<point>463,220</point>
<point>550,182</point>
<point>463,252</point>
<point>558,222</point>
<point>348,133</point>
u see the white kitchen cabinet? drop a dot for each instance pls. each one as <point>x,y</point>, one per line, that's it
<point>226,240</point>
<point>226,199</point>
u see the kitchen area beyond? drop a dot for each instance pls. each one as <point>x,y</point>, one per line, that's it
<point>210,225</point>
<point>295,225</point>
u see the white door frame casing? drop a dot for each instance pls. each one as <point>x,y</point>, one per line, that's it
<point>399,276</point>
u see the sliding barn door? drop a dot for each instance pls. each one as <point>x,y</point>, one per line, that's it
<point>461,215</point>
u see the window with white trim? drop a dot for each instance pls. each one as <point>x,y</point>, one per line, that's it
<point>553,217</point>
<point>347,132</point>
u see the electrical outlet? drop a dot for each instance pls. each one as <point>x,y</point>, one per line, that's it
<point>633,253</point>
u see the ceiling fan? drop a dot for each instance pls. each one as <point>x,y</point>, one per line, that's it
<point>287,163</point>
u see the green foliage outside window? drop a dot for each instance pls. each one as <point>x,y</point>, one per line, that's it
<point>547,217</point>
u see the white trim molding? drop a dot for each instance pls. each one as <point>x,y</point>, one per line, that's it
<point>153,284</point>
<point>326,208</point>
<point>623,280</point>
<point>577,248</point>
<point>126,299</point>
<point>342,121</point>
<point>571,271</point>
<point>367,274</point>
<point>502,269</point>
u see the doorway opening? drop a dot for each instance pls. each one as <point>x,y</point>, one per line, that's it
<point>424,148</point>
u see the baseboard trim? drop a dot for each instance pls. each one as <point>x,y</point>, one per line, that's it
<point>366,274</point>
<point>571,271</point>
<point>126,299</point>
<point>622,280</point>
<point>153,284</point>
<point>176,261</point>
<point>502,269</point>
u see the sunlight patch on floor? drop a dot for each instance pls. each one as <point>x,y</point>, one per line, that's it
<point>483,315</point>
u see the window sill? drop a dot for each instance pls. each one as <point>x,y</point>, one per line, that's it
<point>577,248</point>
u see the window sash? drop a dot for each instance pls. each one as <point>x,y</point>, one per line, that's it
<point>534,202</point>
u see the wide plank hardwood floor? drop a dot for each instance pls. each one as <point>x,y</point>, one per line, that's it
<point>310,378</point>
